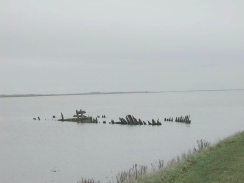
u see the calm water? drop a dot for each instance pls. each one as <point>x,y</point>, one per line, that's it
<point>31,151</point>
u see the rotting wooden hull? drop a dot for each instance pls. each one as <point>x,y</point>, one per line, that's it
<point>87,120</point>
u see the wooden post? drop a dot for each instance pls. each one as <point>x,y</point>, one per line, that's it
<point>62,117</point>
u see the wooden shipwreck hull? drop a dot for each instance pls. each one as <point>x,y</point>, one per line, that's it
<point>79,118</point>
<point>131,120</point>
<point>84,120</point>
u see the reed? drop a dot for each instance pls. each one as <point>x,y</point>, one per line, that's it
<point>86,180</point>
<point>133,173</point>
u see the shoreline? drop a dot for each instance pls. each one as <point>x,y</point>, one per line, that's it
<point>220,162</point>
<point>112,93</point>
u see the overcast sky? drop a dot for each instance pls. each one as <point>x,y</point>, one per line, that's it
<point>61,46</point>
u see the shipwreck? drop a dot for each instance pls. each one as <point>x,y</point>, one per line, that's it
<point>79,117</point>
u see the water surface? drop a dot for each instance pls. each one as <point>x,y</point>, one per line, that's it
<point>53,151</point>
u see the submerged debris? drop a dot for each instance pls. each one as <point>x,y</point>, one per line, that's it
<point>169,119</point>
<point>80,118</point>
<point>131,120</point>
<point>185,119</point>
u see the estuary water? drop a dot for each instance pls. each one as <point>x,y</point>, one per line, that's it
<point>64,152</point>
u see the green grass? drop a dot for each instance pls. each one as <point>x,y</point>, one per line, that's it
<point>223,162</point>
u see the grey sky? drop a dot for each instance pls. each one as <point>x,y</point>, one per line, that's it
<point>131,45</point>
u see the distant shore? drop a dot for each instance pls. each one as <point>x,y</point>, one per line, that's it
<point>107,93</point>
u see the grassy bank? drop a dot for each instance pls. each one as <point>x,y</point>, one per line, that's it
<point>223,162</point>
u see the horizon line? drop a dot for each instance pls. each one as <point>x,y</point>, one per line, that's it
<point>118,92</point>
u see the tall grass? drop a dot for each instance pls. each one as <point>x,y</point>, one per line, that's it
<point>86,180</point>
